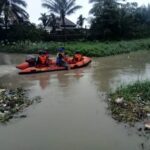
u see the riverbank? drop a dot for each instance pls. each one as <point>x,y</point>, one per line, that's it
<point>13,101</point>
<point>92,49</point>
<point>131,103</point>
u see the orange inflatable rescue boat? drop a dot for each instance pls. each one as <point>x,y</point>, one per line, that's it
<point>28,68</point>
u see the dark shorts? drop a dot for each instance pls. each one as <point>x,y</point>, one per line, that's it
<point>62,64</point>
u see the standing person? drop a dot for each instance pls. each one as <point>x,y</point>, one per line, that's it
<point>61,58</point>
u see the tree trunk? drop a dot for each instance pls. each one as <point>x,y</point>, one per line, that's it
<point>6,23</point>
<point>6,18</point>
<point>64,26</point>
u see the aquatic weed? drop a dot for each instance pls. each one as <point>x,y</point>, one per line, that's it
<point>135,104</point>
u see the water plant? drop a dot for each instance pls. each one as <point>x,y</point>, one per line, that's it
<point>130,103</point>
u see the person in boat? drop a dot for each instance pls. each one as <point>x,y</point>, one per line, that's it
<point>31,60</point>
<point>77,57</point>
<point>43,58</point>
<point>61,59</point>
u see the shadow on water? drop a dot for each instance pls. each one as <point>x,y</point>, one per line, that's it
<point>63,78</point>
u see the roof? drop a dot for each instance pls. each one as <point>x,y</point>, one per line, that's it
<point>68,23</point>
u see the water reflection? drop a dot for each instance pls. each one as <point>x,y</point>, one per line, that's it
<point>63,77</point>
<point>43,79</point>
<point>111,72</point>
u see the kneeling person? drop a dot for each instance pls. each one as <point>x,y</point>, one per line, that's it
<point>77,57</point>
<point>61,60</point>
<point>43,59</point>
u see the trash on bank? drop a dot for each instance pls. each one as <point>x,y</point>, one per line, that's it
<point>119,100</point>
<point>147,125</point>
<point>13,101</point>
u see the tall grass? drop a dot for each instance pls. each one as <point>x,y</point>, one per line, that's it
<point>96,48</point>
<point>137,91</point>
<point>135,104</point>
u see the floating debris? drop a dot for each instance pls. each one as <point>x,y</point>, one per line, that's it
<point>119,100</point>
<point>127,111</point>
<point>130,104</point>
<point>147,125</point>
<point>148,115</point>
<point>2,90</point>
<point>13,101</point>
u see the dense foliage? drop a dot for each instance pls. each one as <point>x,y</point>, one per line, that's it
<point>97,49</point>
<point>22,32</point>
<point>14,23</point>
<point>12,11</point>
<point>112,20</point>
<point>115,20</point>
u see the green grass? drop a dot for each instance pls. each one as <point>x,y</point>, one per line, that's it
<point>133,91</point>
<point>135,105</point>
<point>96,49</point>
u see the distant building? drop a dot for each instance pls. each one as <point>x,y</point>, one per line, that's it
<point>69,25</point>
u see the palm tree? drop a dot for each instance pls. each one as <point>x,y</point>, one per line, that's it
<point>1,4</point>
<point>13,10</point>
<point>80,21</point>
<point>52,22</point>
<point>49,21</point>
<point>61,7</point>
<point>44,19</point>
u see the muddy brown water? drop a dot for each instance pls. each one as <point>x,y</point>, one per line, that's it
<point>73,113</point>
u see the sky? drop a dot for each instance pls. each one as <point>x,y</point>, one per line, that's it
<point>35,9</point>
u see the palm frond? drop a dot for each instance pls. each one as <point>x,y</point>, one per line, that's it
<point>70,4</point>
<point>95,1</point>
<point>61,7</point>
<point>19,12</point>
<point>19,2</point>
<point>72,10</point>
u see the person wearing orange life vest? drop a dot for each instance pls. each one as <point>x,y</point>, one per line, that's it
<point>43,59</point>
<point>77,57</point>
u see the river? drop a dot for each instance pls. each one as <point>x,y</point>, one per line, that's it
<point>73,113</point>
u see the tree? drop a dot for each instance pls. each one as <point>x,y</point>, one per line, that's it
<point>49,21</point>
<point>1,5</point>
<point>44,19</point>
<point>119,20</point>
<point>61,7</point>
<point>98,5</point>
<point>106,20</point>
<point>80,21</point>
<point>52,22</point>
<point>13,10</point>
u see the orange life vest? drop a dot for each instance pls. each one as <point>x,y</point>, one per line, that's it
<point>78,57</point>
<point>43,59</point>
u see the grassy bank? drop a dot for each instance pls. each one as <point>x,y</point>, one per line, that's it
<point>96,49</point>
<point>131,103</point>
